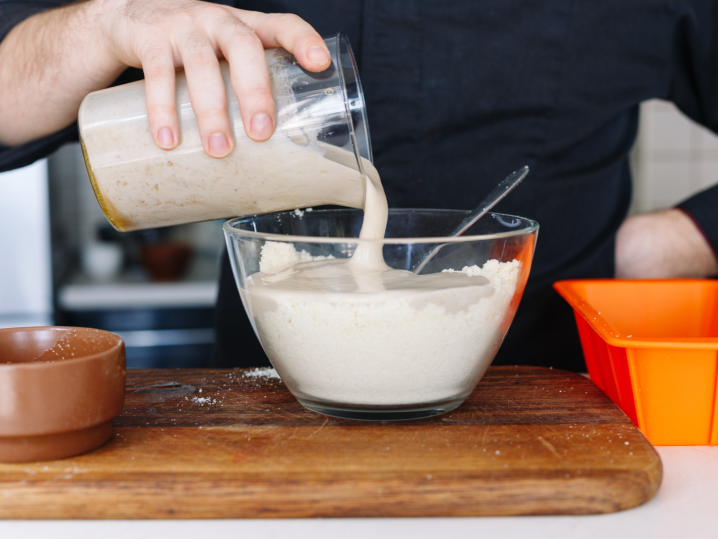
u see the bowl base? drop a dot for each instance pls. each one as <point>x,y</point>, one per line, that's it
<point>54,446</point>
<point>381,413</point>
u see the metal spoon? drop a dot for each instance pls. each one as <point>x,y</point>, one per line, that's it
<point>495,196</point>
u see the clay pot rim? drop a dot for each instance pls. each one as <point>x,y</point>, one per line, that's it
<point>70,361</point>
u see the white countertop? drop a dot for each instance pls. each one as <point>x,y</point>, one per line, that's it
<point>686,506</point>
<point>88,296</point>
<point>133,290</point>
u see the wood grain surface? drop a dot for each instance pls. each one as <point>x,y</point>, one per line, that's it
<point>528,441</point>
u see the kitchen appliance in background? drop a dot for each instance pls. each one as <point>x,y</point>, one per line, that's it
<point>156,288</point>
<point>25,259</point>
<point>164,325</point>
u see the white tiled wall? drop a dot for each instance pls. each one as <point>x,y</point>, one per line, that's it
<point>673,157</point>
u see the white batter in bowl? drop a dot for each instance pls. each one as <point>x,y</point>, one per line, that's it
<point>352,332</point>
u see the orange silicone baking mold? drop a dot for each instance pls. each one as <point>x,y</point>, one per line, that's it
<point>652,346</point>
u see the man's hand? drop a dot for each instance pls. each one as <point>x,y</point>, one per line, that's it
<point>49,62</point>
<point>661,245</point>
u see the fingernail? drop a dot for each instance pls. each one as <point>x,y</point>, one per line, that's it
<point>218,145</point>
<point>261,127</point>
<point>317,55</point>
<point>166,138</point>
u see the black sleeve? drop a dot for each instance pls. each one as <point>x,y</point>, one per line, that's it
<point>14,12</point>
<point>694,90</point>
<point>11,14</point>
<point>703,209</point>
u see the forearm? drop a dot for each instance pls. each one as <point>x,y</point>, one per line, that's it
<point>52,60</point>
<point>48,64</point>
<point>664,244</point>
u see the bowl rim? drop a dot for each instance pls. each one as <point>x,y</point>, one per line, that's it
<point>66,362</point>
<point>601,324</point>
<point>230,230</point>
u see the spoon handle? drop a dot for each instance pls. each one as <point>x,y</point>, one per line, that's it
<point>494,197</point>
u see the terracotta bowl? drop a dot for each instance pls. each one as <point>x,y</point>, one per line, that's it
<point>60,387</point>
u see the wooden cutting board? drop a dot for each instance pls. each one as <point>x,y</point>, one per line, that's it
<point>528,441</point>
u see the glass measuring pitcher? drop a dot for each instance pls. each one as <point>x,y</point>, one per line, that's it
<point>314,156</point>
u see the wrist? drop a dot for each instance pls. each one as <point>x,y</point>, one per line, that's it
<point>96,20</point>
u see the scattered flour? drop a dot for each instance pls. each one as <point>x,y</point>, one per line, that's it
<point>262,372</point>
<point>204,400</point>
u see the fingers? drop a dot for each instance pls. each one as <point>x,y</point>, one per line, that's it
<point>193,37</point>
<point>250,77</point>
<point>292,33</point>
<point>206,92</point>
<point>158,66</point>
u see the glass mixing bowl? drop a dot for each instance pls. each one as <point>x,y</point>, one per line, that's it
<point>382,356</point>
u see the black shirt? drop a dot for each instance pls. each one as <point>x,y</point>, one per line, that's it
<point>461,93</point>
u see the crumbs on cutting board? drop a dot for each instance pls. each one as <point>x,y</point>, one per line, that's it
<point>204,400</point>
<point>262,372</point>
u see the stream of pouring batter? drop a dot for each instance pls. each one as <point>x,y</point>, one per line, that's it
<point>365,275</point>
